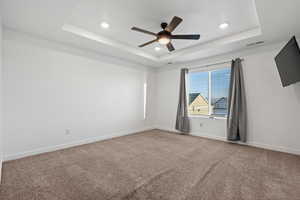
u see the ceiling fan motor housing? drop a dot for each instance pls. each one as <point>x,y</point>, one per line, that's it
<point>164,37</point>
<point>164,34</point>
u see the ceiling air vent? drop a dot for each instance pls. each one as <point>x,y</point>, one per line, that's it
<point>255,43</point>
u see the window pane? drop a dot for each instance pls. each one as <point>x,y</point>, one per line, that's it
<point>198,93</point>
<point>219,91</point>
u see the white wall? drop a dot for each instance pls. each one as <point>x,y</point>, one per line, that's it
<point>51,91</point>
<point>273,111</point>
<point>1,134</point>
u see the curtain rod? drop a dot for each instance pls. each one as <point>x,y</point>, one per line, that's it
<point>208,65</point>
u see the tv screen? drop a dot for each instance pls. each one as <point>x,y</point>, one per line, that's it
<point>288,63</point>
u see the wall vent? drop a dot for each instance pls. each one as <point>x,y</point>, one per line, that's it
<point>255,43</point>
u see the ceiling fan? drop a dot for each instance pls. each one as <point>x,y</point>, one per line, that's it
<point>165,36</point>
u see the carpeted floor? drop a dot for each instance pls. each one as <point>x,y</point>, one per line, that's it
<point>154,165</point>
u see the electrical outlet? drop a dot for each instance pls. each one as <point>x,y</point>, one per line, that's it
<point>67,131</point>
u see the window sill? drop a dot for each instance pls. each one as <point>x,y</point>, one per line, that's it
<point>208,117</point>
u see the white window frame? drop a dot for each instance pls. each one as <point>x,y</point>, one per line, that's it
<point>209,70</point>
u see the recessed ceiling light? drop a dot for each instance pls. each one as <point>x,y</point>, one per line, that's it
<point>104,25</point>
<point>223,25</point>
<point>157,48</point>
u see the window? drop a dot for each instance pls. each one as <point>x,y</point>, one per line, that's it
<point>208,92</point>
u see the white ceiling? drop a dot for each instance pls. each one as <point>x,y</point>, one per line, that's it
<point>77,22</point>
<point>202,16</point>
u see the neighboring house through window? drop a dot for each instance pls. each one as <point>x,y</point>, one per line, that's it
<point>208,91</point>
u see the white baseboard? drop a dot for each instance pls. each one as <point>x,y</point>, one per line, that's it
<point>274,148</point>
<point>249,143</point>
<point>73,143</point>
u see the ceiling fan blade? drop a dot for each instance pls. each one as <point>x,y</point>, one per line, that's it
<point>173,24</point>
<point>170,47</point>
<point>143,31</point>
<point>147,43</point>
<point>186,37</point>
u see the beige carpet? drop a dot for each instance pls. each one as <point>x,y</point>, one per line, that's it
<point>154,165</point>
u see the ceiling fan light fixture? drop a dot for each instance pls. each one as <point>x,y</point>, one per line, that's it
<point>164,40</point>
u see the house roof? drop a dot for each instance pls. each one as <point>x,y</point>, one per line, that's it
<point>192,96</point>
<point>199,101</point>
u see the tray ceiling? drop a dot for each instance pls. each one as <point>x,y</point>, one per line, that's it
<point>202,16</point>
<point>77,23</point>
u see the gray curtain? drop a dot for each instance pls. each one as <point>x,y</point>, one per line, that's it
<point>182,120</point>
<point>236,121</point>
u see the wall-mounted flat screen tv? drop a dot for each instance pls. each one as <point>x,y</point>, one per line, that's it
<point>288,63</point>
